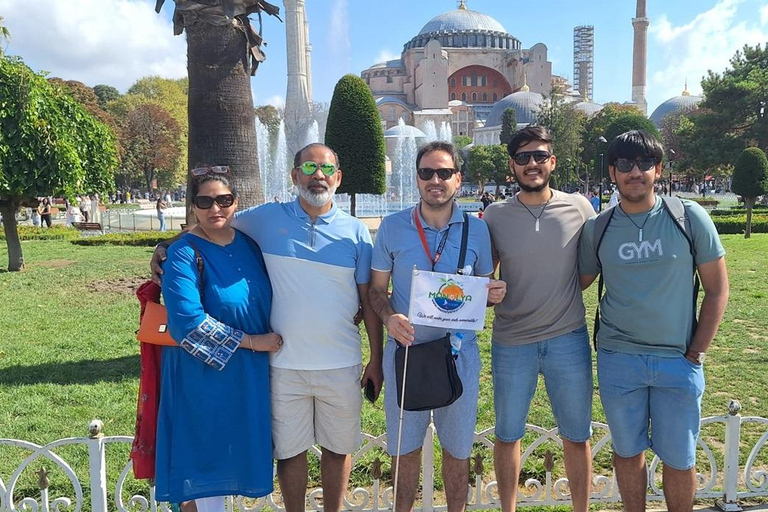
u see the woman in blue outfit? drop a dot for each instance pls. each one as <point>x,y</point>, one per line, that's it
<point>214,436</point>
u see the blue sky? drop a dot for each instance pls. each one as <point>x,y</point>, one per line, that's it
<point>117,41</point>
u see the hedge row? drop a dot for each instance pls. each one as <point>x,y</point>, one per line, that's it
<point>40,233</point>
<point>139,239</point>
<point>736,224</point>
<point>757,209</point>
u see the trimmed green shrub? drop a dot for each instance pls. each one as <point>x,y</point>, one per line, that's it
<point>756,210</point>
<point>354,132</point>
<point>703,201</point>
<point>139,239</point>
<point>40,233</point>
<point>736,224</point>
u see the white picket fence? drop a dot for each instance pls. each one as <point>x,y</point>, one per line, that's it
<point>729,469</point>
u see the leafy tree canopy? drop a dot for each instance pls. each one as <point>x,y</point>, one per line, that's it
<point>49,145</point>
<point>354,132</point>
<point>488,164</point>
<point>732,115</point>
<point>630,121</point>
<point>105,94</point>
<point>567,127</point>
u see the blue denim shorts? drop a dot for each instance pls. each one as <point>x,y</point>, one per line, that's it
<point>455,424</point>
<point>652,402</point>
<point>565,361</point>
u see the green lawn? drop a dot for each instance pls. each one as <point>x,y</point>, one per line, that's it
<point>68,352</point>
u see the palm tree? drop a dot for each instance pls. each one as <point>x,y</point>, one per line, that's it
<point>5,34</point>
<point>223,52</point>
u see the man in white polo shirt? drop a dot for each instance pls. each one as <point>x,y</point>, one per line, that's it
<point>318,259</point>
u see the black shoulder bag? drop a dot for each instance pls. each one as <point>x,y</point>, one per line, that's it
<point>432,380</point>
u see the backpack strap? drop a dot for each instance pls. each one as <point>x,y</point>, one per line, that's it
<point>676,209</point>
<point>464,240</point>
<point>601,223</point>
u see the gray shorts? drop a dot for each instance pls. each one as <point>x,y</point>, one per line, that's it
<point>455,424</point>
<point>315,407</point>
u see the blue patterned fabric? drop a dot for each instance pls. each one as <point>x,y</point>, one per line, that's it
<point>212,342</point>
<point>214,432</point>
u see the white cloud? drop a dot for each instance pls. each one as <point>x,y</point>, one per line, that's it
<point>764,15</point>
<point>385,55</point>
<point>112,42</point>
<point>707,42</point>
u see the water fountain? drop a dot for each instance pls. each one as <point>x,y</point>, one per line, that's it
<point>312,135</point>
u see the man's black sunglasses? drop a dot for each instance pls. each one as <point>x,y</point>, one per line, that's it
<point>426,173</point>
<point>524,157</point>
<point>644,164</point>
<point>205,202</point>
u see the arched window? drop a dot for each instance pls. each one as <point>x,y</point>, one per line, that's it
<point>474,96</point>
<point>485,96</point>
<point>495,97</point>
<point>453,82</point>
<point>463,96</point>
<point>453,96</point>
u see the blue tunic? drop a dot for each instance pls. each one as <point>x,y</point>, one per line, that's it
<point>214,434</point>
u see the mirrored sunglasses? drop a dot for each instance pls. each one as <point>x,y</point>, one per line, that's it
<point>212,169</point>
<point>310,168</point>
<point>223,200</point>
<point>524,157</point>
<point>426,173</point>
<point>644,164</point>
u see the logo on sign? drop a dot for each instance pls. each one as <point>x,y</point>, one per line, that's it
<point>450,297</point>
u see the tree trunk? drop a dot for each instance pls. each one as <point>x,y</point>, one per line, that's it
<point>15,257</point>
<point>749,202</point>
<point>352,204</point>
<point>222,128</point>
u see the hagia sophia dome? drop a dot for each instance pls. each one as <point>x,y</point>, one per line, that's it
<point>683,103</point>
<point>461,19</point>
<point>526,104</point>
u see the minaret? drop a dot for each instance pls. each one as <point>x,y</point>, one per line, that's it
<point>640,23</point>
<point>298,97</point>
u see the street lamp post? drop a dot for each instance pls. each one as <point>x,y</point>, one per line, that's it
<point>671,167</point>
<point>601,140</point>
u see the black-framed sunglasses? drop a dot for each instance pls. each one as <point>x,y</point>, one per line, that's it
<point>644,164</point>
<point>211,169</point>
<point>426,173</point>
<point>205,202</point>
<point>310,168</point>
<point>523,157</point>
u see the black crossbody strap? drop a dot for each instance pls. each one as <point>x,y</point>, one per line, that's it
<point>464,240</point>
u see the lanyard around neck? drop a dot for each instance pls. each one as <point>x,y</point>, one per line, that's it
<point>425,245</point>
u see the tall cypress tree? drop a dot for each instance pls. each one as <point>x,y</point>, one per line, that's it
<point>354,132</point>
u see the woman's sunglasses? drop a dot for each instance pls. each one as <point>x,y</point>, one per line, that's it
<point>310,168</point>
<point>211,169</point>
<point>205,202</point>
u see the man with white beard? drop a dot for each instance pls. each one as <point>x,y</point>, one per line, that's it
<point>319,263</point>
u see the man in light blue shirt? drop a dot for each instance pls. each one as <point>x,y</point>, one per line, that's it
<point>650,349</point>
<point>398,249</point>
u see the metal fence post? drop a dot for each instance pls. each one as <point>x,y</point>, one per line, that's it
<point>97,466</point>
<point>731,459</point>
<point>428,467</point>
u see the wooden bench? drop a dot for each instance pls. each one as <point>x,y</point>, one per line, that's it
<point>87,226</point>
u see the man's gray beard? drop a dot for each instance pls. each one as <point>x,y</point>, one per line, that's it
<point>316,199</point>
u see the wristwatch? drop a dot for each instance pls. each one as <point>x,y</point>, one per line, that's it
<point>698,357</point>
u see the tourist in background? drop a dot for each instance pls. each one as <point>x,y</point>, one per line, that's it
<point>161,206</point>
<point>214,433</point>
<point>44,209</point>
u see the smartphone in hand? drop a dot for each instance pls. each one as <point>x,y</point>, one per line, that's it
<point>370,391</point>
